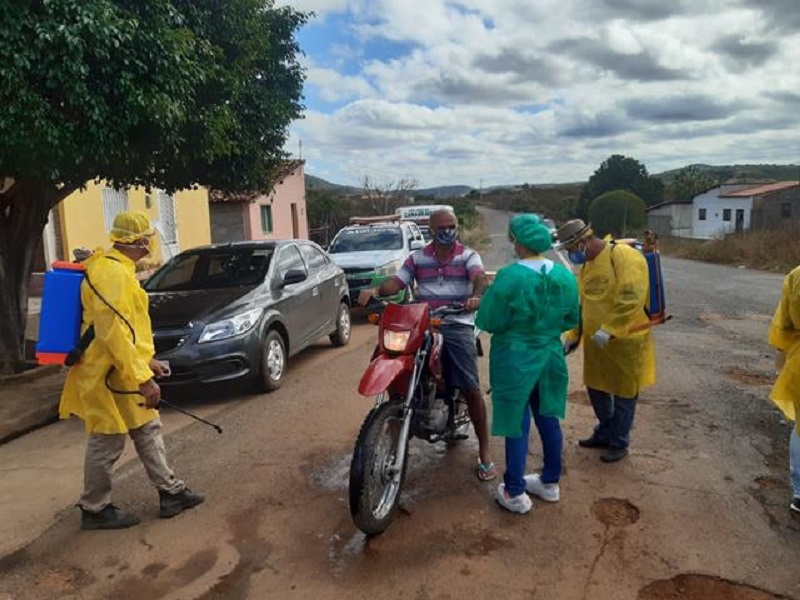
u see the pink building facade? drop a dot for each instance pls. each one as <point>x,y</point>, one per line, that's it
<point>279,215</point>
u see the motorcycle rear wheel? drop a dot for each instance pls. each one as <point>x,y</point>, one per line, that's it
<point>376,479</point>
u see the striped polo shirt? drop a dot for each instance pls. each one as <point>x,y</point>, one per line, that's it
<point>442,283</point>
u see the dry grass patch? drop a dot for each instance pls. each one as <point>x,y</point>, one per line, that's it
<point>769,250</point>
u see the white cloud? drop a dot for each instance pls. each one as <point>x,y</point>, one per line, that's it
<point>333,86</point>
<point>513,90</point>
<point>320,7</point>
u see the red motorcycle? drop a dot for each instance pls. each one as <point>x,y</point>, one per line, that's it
<point>405,375</point>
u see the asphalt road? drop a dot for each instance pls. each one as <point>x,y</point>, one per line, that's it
<point>699,509</point>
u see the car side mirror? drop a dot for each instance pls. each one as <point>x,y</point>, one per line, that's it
<point>293,276</point>
<point>416,244</point>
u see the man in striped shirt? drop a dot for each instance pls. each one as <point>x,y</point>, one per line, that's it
<point>447,272</point>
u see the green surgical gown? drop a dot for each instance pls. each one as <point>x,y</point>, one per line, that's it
<point>527,309</point>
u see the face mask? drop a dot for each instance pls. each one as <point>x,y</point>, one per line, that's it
<point>577,257</point>
<point>446,237</point>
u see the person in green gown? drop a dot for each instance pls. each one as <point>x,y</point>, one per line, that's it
<point>530,304</point>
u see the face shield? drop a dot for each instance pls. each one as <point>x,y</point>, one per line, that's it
<point>133,229</point>
<point>144,243</point>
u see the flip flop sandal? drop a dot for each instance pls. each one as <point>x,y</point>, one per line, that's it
<point>486,472</point>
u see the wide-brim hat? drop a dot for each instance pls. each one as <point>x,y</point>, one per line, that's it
<point>572,231</point>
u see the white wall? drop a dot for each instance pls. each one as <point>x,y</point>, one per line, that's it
<point>713,226</point>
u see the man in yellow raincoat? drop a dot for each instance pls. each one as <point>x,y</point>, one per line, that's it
<point>618,351</point>
<point>784,335</point>
<point>112,389</point>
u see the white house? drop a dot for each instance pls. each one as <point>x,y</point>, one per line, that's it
<point>718,212</point>
<point>729,208</point>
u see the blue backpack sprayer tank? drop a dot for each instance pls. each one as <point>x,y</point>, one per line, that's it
<point>61,315</point>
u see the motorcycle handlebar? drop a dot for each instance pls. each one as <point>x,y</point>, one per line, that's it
<point>452,309</point>
<point>376,302</point>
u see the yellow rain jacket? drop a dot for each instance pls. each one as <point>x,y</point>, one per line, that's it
<point>614,289</point>
<point>784,334</point>
<point>85,392</point>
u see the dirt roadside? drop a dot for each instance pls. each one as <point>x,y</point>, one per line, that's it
<point>699,510</point>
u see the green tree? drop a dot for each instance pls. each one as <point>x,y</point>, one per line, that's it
<point>620,172</point>
<point>618,212</point>
<point>154,93</point>
<point>688,182</point>
<point>327,213</point>
<point>468,216</point>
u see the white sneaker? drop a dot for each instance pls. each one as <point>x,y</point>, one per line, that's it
<point>518,504</point>
<point>549,492</point>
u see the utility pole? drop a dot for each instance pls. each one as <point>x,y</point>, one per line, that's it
<point>300,155</point>
<point>624,218</point>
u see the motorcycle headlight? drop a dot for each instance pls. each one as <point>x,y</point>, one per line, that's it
<point>390,268</point>
<point>395,341</point>
<point>237,325</point>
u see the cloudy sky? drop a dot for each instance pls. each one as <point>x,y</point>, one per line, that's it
<point>538,91</point>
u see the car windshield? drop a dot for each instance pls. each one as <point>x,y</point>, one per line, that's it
<point>210,270</point>
<point>364,239</point>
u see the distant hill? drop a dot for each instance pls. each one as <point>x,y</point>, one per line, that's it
<point>445,191</point>
<point>317,184</point>
<point>724,173</point>
<point>741,173</point>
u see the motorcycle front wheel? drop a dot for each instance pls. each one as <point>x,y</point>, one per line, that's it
<point>376,470</point>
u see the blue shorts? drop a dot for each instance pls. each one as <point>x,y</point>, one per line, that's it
<point>460,357</point>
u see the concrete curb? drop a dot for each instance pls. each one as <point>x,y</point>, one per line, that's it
<point>39,413</point>
<point>30,374</point>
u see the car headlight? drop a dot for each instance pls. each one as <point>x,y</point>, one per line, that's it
<point>222,330</point>
<point>395,341</point>
<point>390,268</point>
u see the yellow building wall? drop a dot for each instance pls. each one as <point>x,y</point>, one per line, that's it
<point>194,218</point>
<point>83,226</point>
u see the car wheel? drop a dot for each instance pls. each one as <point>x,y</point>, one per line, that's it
<point>273,362</point>
<point>341,337</point>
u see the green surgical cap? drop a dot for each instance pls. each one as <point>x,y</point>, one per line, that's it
<point>530,232</point>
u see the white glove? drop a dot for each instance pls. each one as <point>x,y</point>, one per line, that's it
<point>601,338</point>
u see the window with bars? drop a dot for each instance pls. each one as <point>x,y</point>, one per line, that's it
<point>168,217</point>
<point>266,218</point>
<point>701,214</point>
<point>726,214</point>
<point>114,202</point>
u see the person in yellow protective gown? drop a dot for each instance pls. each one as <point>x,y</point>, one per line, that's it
<point>527,308</point>
<point>618,350</point>
<point>784,335</point>
<point>112,389</point>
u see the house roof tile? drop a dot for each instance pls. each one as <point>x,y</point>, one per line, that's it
<point>761,190</point>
